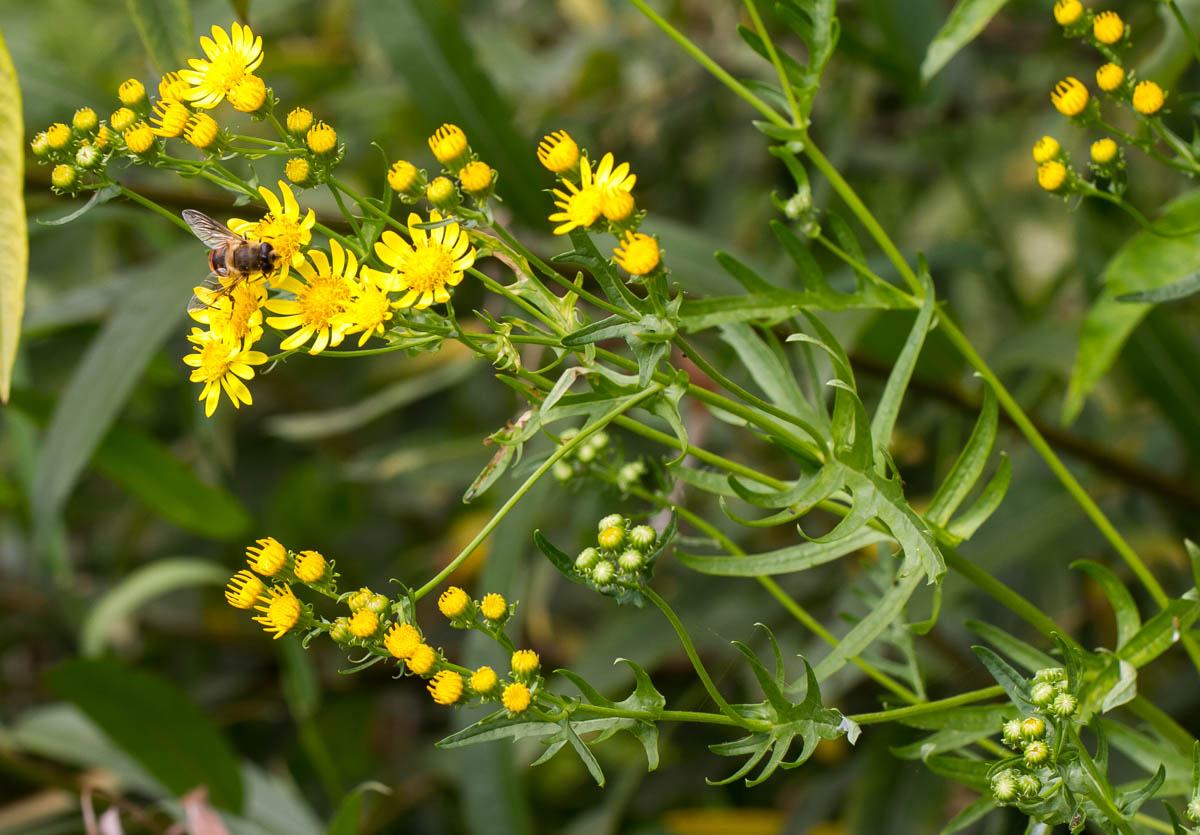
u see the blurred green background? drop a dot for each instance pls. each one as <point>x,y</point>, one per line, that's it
<point>124,509</point>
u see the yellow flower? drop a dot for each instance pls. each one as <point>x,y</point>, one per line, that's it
<point>1052,175</point>
<point>173,88</point>
<point>131,92</point>
<point>201,131</point>
<point>638,254</point>
<point>231,57</point>
<point>311,567</point>
<point>1104,151</point>
<point>446,687</point>
<point>434,260</point>
<point>1109,77</point>
<point>40,145</point>
<point>1070,97</point>
<point>617,205</point>
<point>1147,98</point>
<point>476,179</point>
<point>525,663</point>
<point>222,363</point>
<point>449,145</point>
<point>268,558</point>
<point>608,178</point>
<point>493,607</point>
<point>281,612</point>
<point>169,119</point>
<point>58,135</point>
<point>364,623</point>
<point>299,121</point>
<point>298,170</point>
<point>84,119</point>
<point>234,315</point>
<point>321,138</point>
<point>516,698</point>
<point>442,194</point>
<point>453,602</point>
<point>243,590</point>
<point>281,227</point>
<point>422,659</point>
<point>63,176</point>
<point>320,299</point>
<point>402,640</point>
<point>121,119</point>
<point>1067,12</point>
<point>404,178</point>
<point>484,681</point>
<point>248,94</point>
<point>580,207</point>
<point>139,139</point>
<point>558,152</point>
<point>369,308</point>
<point>1108,27</point>
<point>611,536</point>
<point>103,137</point>
<point>1044,149</point>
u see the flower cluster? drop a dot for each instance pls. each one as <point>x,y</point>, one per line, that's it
<point>449,145</point>
<point>590,195</point>
<point>581,458</point>
<point>281,611</point>
<point>1107,32</point>
<point>1022,778</point>
<point>623,555</point>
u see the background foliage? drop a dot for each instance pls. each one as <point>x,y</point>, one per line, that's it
<point>124,509</point>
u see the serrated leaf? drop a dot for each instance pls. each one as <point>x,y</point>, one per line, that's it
<point>770,370</point>
<point>966,21</point>
<point>585,254</point>
<point>1013,683</point>
<point>14,240</point>
<point>165,27</point>
<point>881,616</point>
<point>968,467</point>
<point>1119,597</point>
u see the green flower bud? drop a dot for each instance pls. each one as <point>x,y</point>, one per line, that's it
<point>1029,785</point>
<point>1012,733</point>
<point>562,471</point>
<point>586,453</point>
<point>586,559</point>
<point>630,561</point>
<point>1192,810</point>
<point>612,537</point>
<point>340,631</point>
<point>599,440</point>
<point>1033,727</point>
<point>1050,674</point>
<point>1064,705</point>
<point>1004,786</point>
<point>604,572</point>
<point>1037,752</point>
<point>642,537</point>
<point>1042,693</point>
<point>378,603</point>
<point>612,520</point>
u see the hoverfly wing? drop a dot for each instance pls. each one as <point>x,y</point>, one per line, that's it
<point>211,289</point>
<point>213,234</point>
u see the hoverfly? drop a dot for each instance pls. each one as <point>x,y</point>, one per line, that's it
<point>232,259</point>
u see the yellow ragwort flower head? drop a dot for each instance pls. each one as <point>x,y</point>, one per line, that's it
<point>139,139</point>
<point>243,590</point>
<point>231,57</point>
<point>248,95</point>
<point>608,177</point>
<point>169,119</point>
<point>422,659</point>
<point>484,681</point>
<point>402,640</point>
<point>476,179</point>
<point>1067,12</point>
<point>364,623</point>
<point>442,193</point>
<point>617,205</point>
<point>85,120</point>
<point>453,602</point>
<point>404,178</point>
<point>558,152</point>
<point>369,309</point>
<point>516,698</point>
<point>267,556</point>
<point>40,145</point>
<point>297,170</point>
<point>131,92</point>
<point>319,300</point>
<point>434,261</point>
<point>321,138</point>
<point>1109,77</point>
<point>1044,149</point>
<point>310,567</point>
<point>121,119</point>
<point>493,606</point>
<point>201,131</point>
<point>446,687</point>
<point>221,363</point>
<point>104,137</point>
<point>525,663</point>
<point>58,135</point>
<point>1147,98</point>
<point>1108,28</point>
<point>173,88</point>
<point>63,176</point>
<point>1104,151</point>
<point>449,146</point>
<point>579,207</point>
<point>1052,175</point>
<point>233,315</point>
<point>281,612</point>
<point>1070,97</point>
<point>611,536</point>
<point>281,227</point>
<point>638,254</point>
<point>299,121</point>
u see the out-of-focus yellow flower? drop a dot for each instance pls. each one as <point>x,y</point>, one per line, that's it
<point>243,590</point>
<point>525,663</point>
<point>63,176</point>
<point>58,136</point>
<point>1044,149</point>
<point>231,57</point>
<point>638,254</point>
<point>1070,97</point>
<point>248,95</point>
<point>402,640</point>
<point>405,178</point>
<point>319,301</point>
<point>446,687</point>
<point>281,612</point>
<point>1109,77</point>
<point>558,152</point>
<point>1108,27</point>
<point>299,121</point>
<point>85,120</point>
<point>310,567</point>
<point>1067,12</point>
<point>1104,151</point>
<point>321,138</point>
<point>484,681</point>
<point>476,179</point>
<point>433,262</point>
<point>422,659</point>
<point>131,92</point>
<point>173,88</point>
<point>1148,98</point>
<point>121,119</point>
<point>298,170</point>
<point>169,119</point>
<point>449,146</point>
<point>1052,175</point>
<point>493,606</point>
<point>235,314</point>
<point>202,131</point>
<point>139,139</point>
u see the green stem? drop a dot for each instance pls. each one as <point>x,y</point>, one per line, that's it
<point>354,224</point>
<point>698,665</point>
<point>1091,191</point>
<point>1186,27</point>
<point>901,713</point>
<point>154,207</point>
<point>662,715</point>
<point>500,289</point>
<point>784,83</point>
<point>1102,796</point>
<point>589,430</point>
<point>1146,146</point>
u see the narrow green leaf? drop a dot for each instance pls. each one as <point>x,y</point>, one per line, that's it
<point>973,773</point>
<point>944,741</point>
<point>346,821</point>
<point>1013,683</point>
<point>1193,551</point>
<point>770,370</point>
<point>975,811</point>
<point>972,518</point>
<point>14,241</point>
<point>1128,619</point>
<point>966,21</point>
<point>585,753</point>
<point>609,328</point>
<point>156,724</point>
<point>1029,657</point>
<point>147,583</point>
<point>99,197</point>
<point>963,717</point>
<point>883,615</point>
<point>783,561</point>
<point>1125,689</point>
<point>968,467</point>
<point>1180,288</point>
<point>751,281</point>
<point>165,27</point>
<point>897,383</point>
<point>1160,632</point>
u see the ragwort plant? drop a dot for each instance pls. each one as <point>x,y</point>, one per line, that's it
<point>1038,742</point>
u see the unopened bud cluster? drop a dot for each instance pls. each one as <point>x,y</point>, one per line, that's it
<point>582,457</point>
<point>1033,738</point>
<point>463,173</point>
<point>622,555</point>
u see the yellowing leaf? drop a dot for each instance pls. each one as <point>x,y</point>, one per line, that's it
<point>14,243</point>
